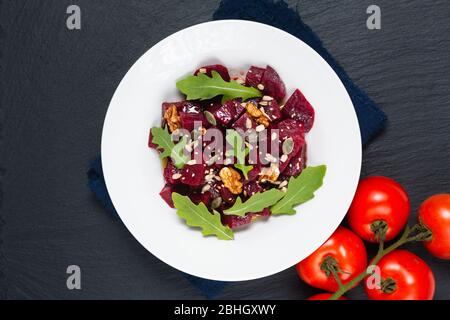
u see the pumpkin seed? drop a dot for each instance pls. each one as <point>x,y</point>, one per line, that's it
<point>216,203</point>
<point>288,146</point>
<point>210,117</point>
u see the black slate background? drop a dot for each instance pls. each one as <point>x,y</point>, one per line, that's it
<point>57,85</point>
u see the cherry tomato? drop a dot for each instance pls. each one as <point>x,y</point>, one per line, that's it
<point>378,202</point>
<point>434,213</point>
<point>324,296</point>
<point>345,250</point>
<point>404,276</point>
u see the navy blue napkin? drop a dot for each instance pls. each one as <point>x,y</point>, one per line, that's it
<point>371,119</point>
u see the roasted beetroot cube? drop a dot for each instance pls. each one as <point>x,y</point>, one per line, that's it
<point>236,221</point>
<point>289,128</point>
<point>297,107</point>
<point>227,196</point>
<point>297,163</point>
<point>171,173</point>
<point>251,188</point>
<point>254,76</point>
<point>228,112</point>
<point>271,109</point>
<point>150,141</point>
<point>222,70</point>
<point>190,120</point>
<point>273,85</point>
<point>193,175</point>
<point>166,194</point>
<point>254,173</point>
<point>265,213</point>
<point>198,197</point>
<point>244,123</point>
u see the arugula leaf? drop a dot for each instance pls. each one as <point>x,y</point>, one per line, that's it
<point>244,169</point>
<point>300,190</point>
<point>199,216</point>
<point>168,148</point>
<point>203,87</point>
<point>239,150</point>
<point>255,203</point>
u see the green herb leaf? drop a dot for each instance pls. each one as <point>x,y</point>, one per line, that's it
<point>239,150</point>
<point>168,148</point>
<point>300,190</point>
<point>256,203</point>
<point>203,87</point>
<point>199,216</point>
<point>244,169</point>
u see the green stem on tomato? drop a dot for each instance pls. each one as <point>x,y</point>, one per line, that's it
<point>417,233</point>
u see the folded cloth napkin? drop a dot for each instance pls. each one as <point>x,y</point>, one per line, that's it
<point>371,119</point>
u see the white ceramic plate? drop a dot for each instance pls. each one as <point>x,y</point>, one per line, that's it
<point>133,173</point>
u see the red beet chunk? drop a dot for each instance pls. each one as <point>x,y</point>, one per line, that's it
<point>251,188</point>
<point>171,173</point>
<point>150,141</point>
<point>254,173</point>
<point>273,85</point>
<point>227,196</point>
<point>271,109</point>
<point>222,70</point>
<point>193,175</point>
<point>290,128</point>
<point>298,108</point>
<point>254,76</point>
<point>191,120</point>
<point>244,123</point>
<point>228,112</point>
<point>235,221</point>
<point>198,197</point>
<point>297,163</point>
<point>166,194</point>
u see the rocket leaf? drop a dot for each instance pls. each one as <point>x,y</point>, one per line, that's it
<point>258,202</point>
<point>300,190</point>
<point>238,150</point>
<point>168,148</point>
<point>204,87</point>
<point>199,216</point>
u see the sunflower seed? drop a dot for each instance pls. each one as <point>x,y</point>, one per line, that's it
<point>260,128</point>
<point>260,86</point>
<point>205,188</point>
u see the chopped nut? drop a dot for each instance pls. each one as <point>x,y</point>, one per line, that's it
<point>269,174</point>
<point>253,110</point>
<point>202,131</point>
<point>176,176</point>
<point>231,180</point>
<point>172,118</point>
<point>257,114</point>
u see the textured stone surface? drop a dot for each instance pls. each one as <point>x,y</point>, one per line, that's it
<point>57,87</point>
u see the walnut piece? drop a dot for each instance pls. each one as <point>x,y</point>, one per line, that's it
<point>231,180</point>
<point>172,118</point>
<point>258,115</point>
<point>270,174</point>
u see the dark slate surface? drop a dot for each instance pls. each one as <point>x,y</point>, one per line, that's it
<point>56,88</point>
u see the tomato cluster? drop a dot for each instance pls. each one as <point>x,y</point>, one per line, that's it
<point>378,213</point>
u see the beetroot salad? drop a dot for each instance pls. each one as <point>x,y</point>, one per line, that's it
<point>234,150</point>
